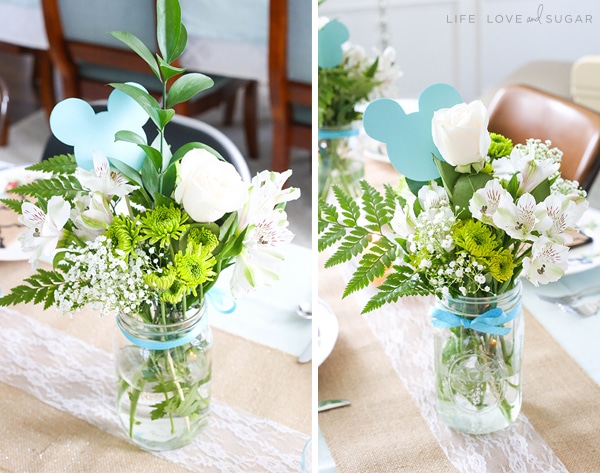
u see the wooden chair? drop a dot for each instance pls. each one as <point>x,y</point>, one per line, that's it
<point>290,78</point>
<point>3,112</point>
<point>520,112</point>
<point>87,57</point>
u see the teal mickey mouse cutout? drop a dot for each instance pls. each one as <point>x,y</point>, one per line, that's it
<point>74,122</point>
<point>331,37</point>
<point>408,136</point>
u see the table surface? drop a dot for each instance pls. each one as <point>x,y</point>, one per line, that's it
<point>576,335</point>
<point>261,415</point>
<point>237,48</point>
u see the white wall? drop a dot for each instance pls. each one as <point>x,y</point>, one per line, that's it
<point>473,52</point>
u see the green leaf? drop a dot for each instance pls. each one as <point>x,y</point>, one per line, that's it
<point>59,164</point>
<point>375,207</point>
<point>414,186</point>
<point>139,48</point>
<point>164,117</point>
<point>401,282</point>
<point>13,204</point>
<point>449,175</point>
<point>466,186</point>
<point>168,71</point>
<point>373,264</point>
<point>39,287</point>
<point>541,191</point>
<point>168,28</point>
<point>333,235</point>
<point>65,186</point>
<point>155,158</point>
<point>131,174</point>
<point>354,243</point>
<point>348,205</point>
<point>168,180</point>
<point>130,137</point>
<point>149,177</point>
<point>181,151</point>
<point>183,39</point>
<point>145,100</point>
<point>186,87</point>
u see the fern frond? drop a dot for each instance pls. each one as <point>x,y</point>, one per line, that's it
<point>13,204</point>
<point>349,207</point>
<point>376,209</point>
<point>327,212</point>
<point>65,186</point>
<point>372,265</point>
<point>398,284</point>
<point>59,164</point>
<point>334,234</point>
<point>354,243</point>
<point>41,287</point>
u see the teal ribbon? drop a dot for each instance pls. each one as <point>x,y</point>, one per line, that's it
<point>489,322</point>
<point>217,298</point>
<point>339,133</point>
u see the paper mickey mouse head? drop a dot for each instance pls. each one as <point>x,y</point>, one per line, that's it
<point>331,38</point>
<point>74,122</point>
<point>408,136</point>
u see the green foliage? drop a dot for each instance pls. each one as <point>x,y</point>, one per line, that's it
<point>40,288</point>
<point>14,204</point>
<point>65,186</point>
<point>340,89</point>
<point>59,164</point>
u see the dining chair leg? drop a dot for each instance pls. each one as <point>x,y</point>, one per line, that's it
<point>229,109</point>
<point>280,152</point>
<point>250,117</point>
<point>4,98</point>
<point>44,75</point>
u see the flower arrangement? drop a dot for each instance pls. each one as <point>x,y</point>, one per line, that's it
<point>344,87</point>
<point>496,212</point>
<point>150,241</point>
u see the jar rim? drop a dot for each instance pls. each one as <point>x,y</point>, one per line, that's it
<point>197,313</point>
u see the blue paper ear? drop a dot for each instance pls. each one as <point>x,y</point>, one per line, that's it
<point>331,38</point>
<point>408,136</point>
<point>74,122</point>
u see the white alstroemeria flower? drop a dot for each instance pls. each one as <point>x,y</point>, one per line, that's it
<point>432,196</point>
<point>529,170</point>
<point>404,221</point>
<point>265,222</point>
<point>104,180</point>
<point>355,58</point>
<point>485,201</point>
<point>564,214</point>
<point>548,262</point>
<point>386,75</point>
<point>43,230</point>
<point>571,191</point>
<point>520,220</point>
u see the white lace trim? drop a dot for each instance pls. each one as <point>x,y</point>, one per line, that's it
<point>407,337</point>
<point>77,378</point>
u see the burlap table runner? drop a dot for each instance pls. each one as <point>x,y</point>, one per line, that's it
<point>384,431</point>
<point>257,379</point>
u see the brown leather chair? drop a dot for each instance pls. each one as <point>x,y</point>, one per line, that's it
<point>520,112</point>
<point>290,78</point>
<point>3,112</point>
<point>87,57</point>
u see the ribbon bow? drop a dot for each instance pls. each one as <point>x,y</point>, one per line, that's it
<point>489,322</point>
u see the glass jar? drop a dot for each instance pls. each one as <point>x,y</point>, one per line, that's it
<point>340,162</point>
<point>163,379</point>
<point>478,357</point>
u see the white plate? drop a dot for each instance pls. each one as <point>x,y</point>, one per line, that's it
<point>586,257</point>
<point>9,178</point>
<point>328,327</point>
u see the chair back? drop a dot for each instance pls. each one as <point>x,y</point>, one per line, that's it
<point>290,77</point>
<point>178,132</point>
<point>520,112</point>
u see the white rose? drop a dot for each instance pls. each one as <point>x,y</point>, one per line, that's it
<point>460,133</point>
<point>208,187</point>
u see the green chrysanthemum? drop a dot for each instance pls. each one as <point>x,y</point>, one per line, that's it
<point>501,265</point>
<point>161,281</point>
<point>163,224</point>
<point>193,270</point>
<point>500,146</point>
<point>124,234</point>
<point>174,294</point>
<point>476,238</point>
<point>200,240</point>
